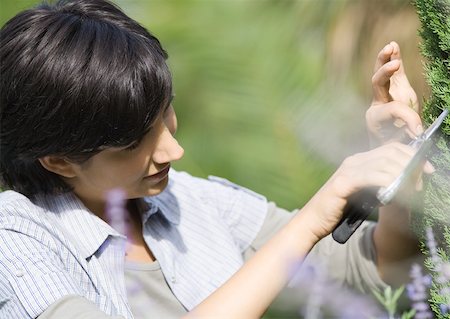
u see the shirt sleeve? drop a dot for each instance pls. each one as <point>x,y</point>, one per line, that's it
<point>241,209</point>
<point>352,264</point>
<point>74,307</point>
<point>32,276</point>
<point>275,219</point>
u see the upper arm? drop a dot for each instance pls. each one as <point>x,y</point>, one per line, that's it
<point>276,218</point>
<point>241,209</point>
<point>32,275</point>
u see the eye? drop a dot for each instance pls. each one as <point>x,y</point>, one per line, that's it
<point>133,146</point>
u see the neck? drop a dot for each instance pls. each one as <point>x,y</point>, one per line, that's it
<point>137,250</point>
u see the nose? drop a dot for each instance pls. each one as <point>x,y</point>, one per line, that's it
<point>168,149</point>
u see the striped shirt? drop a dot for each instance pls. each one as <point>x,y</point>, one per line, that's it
<point>53,246</point>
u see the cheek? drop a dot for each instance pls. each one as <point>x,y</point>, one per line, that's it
<point>136,166</point>
<point>125,171</point>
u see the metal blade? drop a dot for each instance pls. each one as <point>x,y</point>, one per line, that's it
<point>422,144</point>
<point>436,124</point>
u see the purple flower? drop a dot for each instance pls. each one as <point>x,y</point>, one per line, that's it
<point>116,212</point>
<point>440,268</point>
<point>417,292</point>
<point>444,308</point>
<point>321,297</point>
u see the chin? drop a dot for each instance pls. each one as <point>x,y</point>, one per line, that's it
<point>158,188</point>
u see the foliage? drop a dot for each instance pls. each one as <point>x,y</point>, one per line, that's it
<point>389,299</point>
<point>435,32</point>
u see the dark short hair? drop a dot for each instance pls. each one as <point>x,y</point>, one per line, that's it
<point>76,76</point>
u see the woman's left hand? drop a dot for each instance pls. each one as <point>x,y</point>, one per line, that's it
<point>393,114</point>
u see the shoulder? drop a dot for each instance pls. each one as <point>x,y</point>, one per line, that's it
<point>21,219</point>
<point>24,232</point>
<point>8,198</point>
<point>238,207</point>
<point>14,205</point>
<point>206,187</point>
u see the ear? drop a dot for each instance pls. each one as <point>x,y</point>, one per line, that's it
<point>58,165</point>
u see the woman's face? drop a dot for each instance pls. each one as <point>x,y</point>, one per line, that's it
<point>140,169</point>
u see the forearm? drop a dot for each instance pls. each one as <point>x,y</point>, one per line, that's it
<point>395,242</point>
<point>252,289</point>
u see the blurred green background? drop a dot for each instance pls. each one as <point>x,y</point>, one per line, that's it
<point>272,94</point>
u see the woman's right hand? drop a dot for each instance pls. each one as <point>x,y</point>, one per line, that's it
<point>376,168</point>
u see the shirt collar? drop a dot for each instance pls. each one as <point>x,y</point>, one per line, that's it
<point>88,230</point>
<point>156,207</point>
<point>157,204</point>
<point>150,211</point>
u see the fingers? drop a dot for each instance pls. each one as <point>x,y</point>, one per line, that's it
<point>381,81</point>
<point>389,81</point>
<point>400,88</point>
<point>395,112</point>
<point>396,55</point>
<point>428,168</point>
<point>390,160</point>
<point>383,70</point>
<point>383,57</point>
<point>378,167</point>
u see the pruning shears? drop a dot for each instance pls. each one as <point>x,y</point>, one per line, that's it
<point>361,204</point>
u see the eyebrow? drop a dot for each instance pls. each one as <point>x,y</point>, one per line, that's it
<point>104,147</point>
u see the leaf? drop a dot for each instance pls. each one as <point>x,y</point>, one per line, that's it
<point>379,297</point>
<point>389,298</point>
<point>409,314</point>
<point>398,293</point>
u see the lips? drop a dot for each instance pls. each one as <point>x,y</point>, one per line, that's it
<point>160,175</point>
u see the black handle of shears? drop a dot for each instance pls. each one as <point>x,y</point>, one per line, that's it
<point>359,206</point>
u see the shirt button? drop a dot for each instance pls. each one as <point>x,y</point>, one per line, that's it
<point>19,272</point>
<point>173,279</point>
